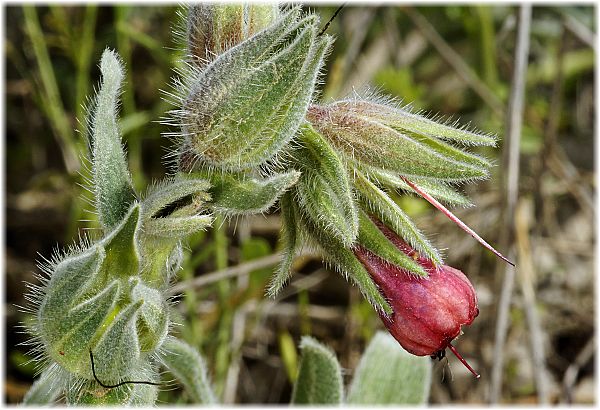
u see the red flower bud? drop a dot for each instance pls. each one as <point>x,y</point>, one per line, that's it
<point>427,312</point>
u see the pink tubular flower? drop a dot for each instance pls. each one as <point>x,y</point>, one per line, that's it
<point>428,313</point>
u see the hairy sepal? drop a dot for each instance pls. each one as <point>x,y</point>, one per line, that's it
<point>211,29</point>
<point>248,103</point>
<point>90,393</point>
<point>324,191</point>
<point>378,202</point>
<point>343,260</point>
<point>437,189</point>
<point>404,119</point>
<point>372,239</point>
<point>289,239</point>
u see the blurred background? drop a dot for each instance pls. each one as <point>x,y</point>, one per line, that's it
<point>456,61</point>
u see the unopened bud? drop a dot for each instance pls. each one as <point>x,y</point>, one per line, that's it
<point>247,104</point>
<point>428,313</point>
<point>214,28</point>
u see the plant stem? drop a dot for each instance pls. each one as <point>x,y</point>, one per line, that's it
<point>51,100</point>
<point>513,139</point>
<point>224,288</point>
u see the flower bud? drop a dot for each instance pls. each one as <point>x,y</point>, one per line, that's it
<point>249,102</point>
<point>214,28</point>
<point>428,313</point>
<point>396,140</point>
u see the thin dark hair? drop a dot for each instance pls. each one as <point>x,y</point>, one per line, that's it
<point>112,386</point>
<point>331,19</point>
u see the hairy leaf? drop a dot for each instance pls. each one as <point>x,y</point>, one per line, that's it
<point>112,181</point>
<point>186,364</point>
<point>319,379</point>
<point>389,375</point>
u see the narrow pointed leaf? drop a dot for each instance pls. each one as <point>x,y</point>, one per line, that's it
<point>345,262</point>
<point>389,375</point>
<point>112,181</point>
<point>324,192</point>
<point>437,189</point>
<point>289,239</point>
<point>319,379</point>
<point>372,239</point>
<point>186,364</point>
<point>391,214</point>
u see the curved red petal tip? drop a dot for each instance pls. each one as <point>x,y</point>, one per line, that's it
<point>455,219</point>
<point>463,361</point>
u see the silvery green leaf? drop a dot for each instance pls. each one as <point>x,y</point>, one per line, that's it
<point>112,182</point>
<point>378,202</point>
<point>372,239</point>
<point>186,364</point>
<point>389,375</point>
<point>323,191</point>
<point>319,380</point>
